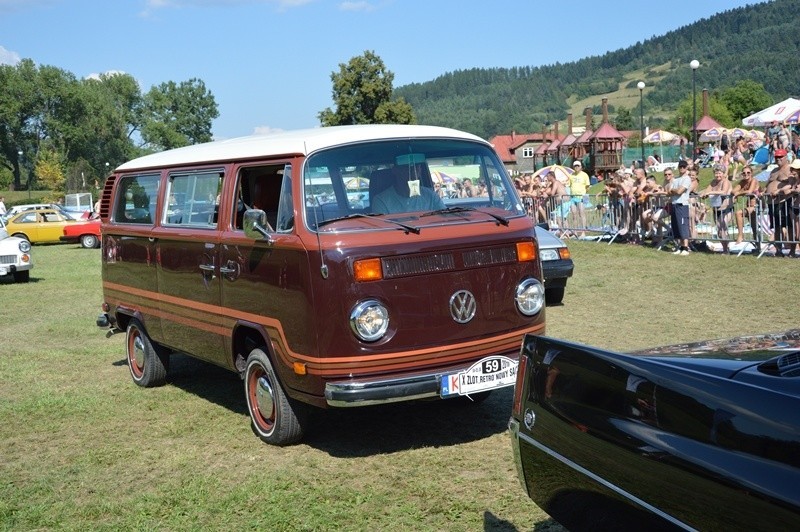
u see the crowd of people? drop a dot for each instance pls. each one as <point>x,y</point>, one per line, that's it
<point>636,207</point>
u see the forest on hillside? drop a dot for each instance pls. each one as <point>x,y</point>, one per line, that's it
<point>758,42</point>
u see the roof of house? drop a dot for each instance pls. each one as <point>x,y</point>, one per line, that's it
<point>505,145</point>
<point>706,123</point>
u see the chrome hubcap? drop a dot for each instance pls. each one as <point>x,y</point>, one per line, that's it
<point>138,352</point>
<point>264,397</point>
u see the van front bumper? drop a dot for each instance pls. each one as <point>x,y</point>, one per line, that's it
<point>408,387</point>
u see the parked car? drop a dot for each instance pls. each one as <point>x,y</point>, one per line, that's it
<point>38,226</point>
<point>699,436</point>
<point>557,265</point>
<point>15,256</point>
<point>86,232</point>
<point>16,209</point>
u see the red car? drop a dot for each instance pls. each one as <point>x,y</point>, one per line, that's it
<point>86,232</point>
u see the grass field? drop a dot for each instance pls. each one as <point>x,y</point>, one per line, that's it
<point>81,447</point>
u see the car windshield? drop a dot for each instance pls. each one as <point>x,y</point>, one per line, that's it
<point>408,177</point>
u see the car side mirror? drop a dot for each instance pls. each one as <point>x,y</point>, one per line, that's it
<point>256,225</point>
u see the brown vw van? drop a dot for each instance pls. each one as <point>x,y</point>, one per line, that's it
<point>331,267</point>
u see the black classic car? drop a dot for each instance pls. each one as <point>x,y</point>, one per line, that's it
<point>694,436</point>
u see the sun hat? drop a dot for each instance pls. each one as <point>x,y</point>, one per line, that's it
<point>795,164</point>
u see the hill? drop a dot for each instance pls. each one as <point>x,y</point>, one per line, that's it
<point>759,42</point>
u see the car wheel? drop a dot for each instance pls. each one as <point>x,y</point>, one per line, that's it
<point>273,415</point>
<point>89,241</point>
<point>22,235</point>
<point>22,277</point>
<point>554,296</point>
<point>148,364</point>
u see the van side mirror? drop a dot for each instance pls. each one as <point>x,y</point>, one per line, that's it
<point>256,225</point>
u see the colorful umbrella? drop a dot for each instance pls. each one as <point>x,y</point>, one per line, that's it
<point>715,133</point>
<point>441,177</point>
<point>660,137</point>
<point>357,183</point>
<point>562,173</point>
<point>737,132</point>
<point>657,137</point>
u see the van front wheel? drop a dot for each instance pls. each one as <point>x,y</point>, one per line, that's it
<point>273,415</point>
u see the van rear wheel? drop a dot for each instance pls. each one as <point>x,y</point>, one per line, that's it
<point>146,362</point>
<point>273,415</point>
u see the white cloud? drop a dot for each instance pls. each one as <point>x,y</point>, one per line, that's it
<point>356,6</point>
<point>95,75</point>
<point>7,57</point>
<point>264,130</point>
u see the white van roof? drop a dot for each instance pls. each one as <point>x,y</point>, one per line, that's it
<point>301,142</point>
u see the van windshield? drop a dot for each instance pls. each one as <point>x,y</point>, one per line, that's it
<point>409,177</point>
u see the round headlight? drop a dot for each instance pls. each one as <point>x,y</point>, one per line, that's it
<point>24,246</point>
<point>530,296</point>
<point>369,320</point>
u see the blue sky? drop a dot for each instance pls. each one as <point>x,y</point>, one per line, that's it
<point>268,62</point>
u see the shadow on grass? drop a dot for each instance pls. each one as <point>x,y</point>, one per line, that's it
<point>364,431</point>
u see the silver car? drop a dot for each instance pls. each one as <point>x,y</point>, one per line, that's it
<point>557,265</point>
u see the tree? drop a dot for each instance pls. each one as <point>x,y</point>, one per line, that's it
<point>178,115</point>
<point>745,98</point>
<point>50,171</point>
<point>20,116</point>
<point>362,94</point>
<point>624,120</point>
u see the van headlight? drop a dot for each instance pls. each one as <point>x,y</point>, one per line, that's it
<point>24,246</point>
<point>530,296</point>
<point>369,320</point>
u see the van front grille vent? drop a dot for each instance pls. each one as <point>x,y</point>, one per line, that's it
<point>489,256</point>
<point>417,264</point>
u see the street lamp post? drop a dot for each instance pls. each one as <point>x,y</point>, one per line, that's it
<point>641,117</point>
<point>20,153</point>
<point>694,64</point>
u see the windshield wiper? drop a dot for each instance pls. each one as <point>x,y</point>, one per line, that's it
<point>451,210</point>
<point>406,228</point>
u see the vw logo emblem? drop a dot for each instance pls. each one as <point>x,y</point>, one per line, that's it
<point>462,306</point>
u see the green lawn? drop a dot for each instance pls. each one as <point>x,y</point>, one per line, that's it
<point>81,447</point>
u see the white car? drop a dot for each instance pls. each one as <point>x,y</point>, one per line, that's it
<point>557,265</point>
<point>15,256</point>
<point>16,209</point>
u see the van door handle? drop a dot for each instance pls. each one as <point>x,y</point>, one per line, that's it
<point>231,270</point>
<point>207,268</point>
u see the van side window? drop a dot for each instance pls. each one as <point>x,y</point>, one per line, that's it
<point>192,199</point>
<point>136,200</point>
<point>259,187</point>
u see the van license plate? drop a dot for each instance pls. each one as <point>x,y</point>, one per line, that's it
<point>487,374</point>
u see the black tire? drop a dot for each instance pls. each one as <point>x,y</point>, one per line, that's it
<point>90,241</point>
<point>554,296</point>
<point>22,276</point>
<point>274,417</point>
<point>147,363</point>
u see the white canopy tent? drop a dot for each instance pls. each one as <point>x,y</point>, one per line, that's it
<point>786,111</point>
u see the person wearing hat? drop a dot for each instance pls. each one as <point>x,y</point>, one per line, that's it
<point>776,193</point>
<point>578,188</point>
<point>678,193</point>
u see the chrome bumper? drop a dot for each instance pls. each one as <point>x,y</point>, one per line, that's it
<point>373,392</point>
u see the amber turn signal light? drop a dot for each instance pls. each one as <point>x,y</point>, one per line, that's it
<point>526,251</point>
<point>564,253</point>
<point>299,368</point>
<point>367,270</point>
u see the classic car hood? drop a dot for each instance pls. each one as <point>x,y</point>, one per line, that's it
<point>755,348</point>
<point>547,240</point>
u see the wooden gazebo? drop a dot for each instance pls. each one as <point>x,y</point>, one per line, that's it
<point>606,145</point>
